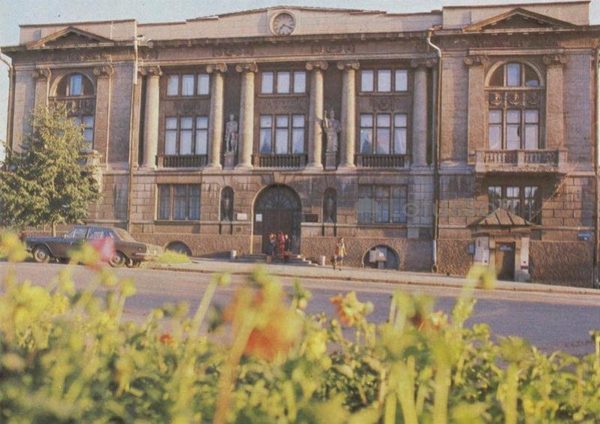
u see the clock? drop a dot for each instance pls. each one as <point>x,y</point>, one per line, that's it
<point>283,24</point>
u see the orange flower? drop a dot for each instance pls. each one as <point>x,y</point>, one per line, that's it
<point>166,339</point>
<point>349,310</point>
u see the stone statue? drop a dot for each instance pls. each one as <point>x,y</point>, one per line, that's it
<point>332,127</point>
<point>231,134</point>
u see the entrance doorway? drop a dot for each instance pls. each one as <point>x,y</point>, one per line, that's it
<point>505,261</point>
<point>278,208</point>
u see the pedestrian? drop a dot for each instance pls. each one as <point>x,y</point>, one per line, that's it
<point>287,248</point>
<point>340,253</point>
<point>271,247</point>
<point>281,243</point>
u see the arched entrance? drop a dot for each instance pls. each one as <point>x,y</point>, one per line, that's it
<point>382,257</point>
<point>278,208</point>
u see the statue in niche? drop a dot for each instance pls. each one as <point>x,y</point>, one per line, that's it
<point>231,134</point>
<point>227,205</point>
<point>332,128</point>
<point>329,207</point>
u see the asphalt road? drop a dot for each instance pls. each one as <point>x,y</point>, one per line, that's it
<point>551,321</point>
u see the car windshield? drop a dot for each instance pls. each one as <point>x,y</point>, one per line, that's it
<point>124,235</point>
<point>76,233</point>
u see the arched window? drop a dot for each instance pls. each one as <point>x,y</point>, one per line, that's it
<point>227,204</point>
<point>515,100</point>
<point>77,92</point>
<point>330,205</point>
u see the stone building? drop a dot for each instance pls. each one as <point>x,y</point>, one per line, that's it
<point>427,140</point>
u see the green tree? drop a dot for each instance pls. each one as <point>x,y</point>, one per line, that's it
<point>48,181</point>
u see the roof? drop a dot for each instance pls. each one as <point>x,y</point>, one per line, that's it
<point>503,218</point>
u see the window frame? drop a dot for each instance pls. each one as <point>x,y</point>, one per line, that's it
<point>195,81</point>
<point>394,193</point>
<point>291,128</point>
<point>374,129</point>
<point>292,75</point>
<point>502,198</point>
<point>195,130</point>
<point>193,193</point>
<point>376,71</point>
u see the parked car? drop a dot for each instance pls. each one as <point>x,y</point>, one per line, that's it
<point>128,251</point>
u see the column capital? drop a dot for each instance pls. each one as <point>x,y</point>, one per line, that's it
<point>216,67</point>
<point>423,62</point>
<point>348,65</point>
<point>319,65</point>
<point>104,71</point>
<point>246,67</point>
<point>151,71</point>
<point>476,60</point>
<point>41,74</point>
<point>554,60</point>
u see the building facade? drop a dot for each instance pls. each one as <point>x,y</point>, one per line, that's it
<point>428,141</point>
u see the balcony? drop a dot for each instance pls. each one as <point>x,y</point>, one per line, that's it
<point>182,161</point>
<point>521,161</point>
<point>381,161</point>
<point>297,160</point>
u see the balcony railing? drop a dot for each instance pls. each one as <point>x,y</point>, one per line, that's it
<point>380,161</point>
<point>297,160</point>
<point>182,161</point>
<point>521,161</point>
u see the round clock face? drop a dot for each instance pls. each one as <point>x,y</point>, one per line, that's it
<point>283,24</point>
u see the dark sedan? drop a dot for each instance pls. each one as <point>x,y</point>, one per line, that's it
<point>127,251</point>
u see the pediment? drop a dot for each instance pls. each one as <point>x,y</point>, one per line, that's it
<point>69,37</point>
<point>518,20</point>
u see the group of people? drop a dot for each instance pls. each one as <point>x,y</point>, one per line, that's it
<point>279,245</point>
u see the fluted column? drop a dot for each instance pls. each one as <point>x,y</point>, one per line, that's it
<point>215,118</point>
<point>315,118</point>
<point>102,112</point>
<point>555,113</point>
<point>42,78</point>
<point>246,133</point>
<point>348,145</point>
<point>419,122</point>
<point>151,118</point>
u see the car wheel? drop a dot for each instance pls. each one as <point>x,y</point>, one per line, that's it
<point>118,260</point>
<point>41,254</point>
<point>133,264</point>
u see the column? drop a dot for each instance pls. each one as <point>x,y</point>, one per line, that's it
<point>315,114</point>
<point>246,132</point>
<point>42,78</point>
<point>102,113</point>
<point>419,122</point>
<point>151,117</point>
<point>476,107</point>
<point>555,117</point>
<point>215,124</point>
<point>348,144</point>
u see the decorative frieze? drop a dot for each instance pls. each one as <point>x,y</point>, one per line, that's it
<point>233,51</point>
<point>332,49</point>
<point>514,98</point>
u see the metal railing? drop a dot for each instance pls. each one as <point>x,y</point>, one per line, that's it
<point>296,160</point>
<point>182,161</point>
<point>380,161</point>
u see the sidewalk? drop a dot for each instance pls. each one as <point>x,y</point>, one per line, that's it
<point>360,274</point>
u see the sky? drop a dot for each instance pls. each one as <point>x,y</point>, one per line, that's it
<point>17,12</point>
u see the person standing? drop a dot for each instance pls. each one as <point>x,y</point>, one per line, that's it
<point>340,254</point>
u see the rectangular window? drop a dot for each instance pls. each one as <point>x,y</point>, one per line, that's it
<point>366,81</point>
<point>513,75</point>
<point>401,80</point>
<point>523,201</point>
<point>384,80</point>
<point>173,85</point>
<point>203,84</point>
<point>383,134</point>
<point>187,85</point>
<point>266,83</point>
<point>185,136</point>
<point>178,202</point>
<point>283,82</point>
<point>171,136</point>
<point>75,85</point>
<point>297,133</point>
<point>495,129</point>
<point>512,199</point>
<point>366,133</point>
<point>381,204</point>
<point>531,204</point>
<point>513,129</point>
<point>494,198</point>
<point>532,124</point>
<point>87,124</point>
<point>281,134</point>
<point>299,82</point>
<point>266,134</point>
<point>202,135</point>
<point>400,133</point>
